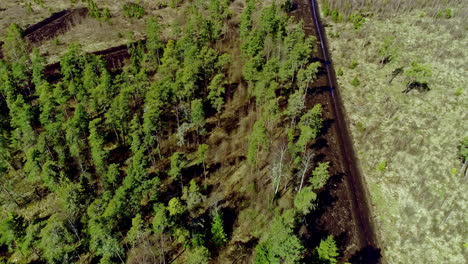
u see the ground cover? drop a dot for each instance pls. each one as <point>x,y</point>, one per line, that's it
<point>407,140</point>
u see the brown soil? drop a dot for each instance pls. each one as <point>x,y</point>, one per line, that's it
<point>53,26</point>
<point>114,57</point>
<point>344,212</point>
<point>57,24</point>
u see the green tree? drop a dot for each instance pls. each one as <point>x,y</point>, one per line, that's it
<point>328,251</point>
<point>11,228</point>
<point>57,243</point>
<point>23,135</point>
<point>197,113</point>
<point>306,76</point>
<point>137,232</point>
<point>112,176</point>
<point>160,221</point>
<point>76,130</point>
<point>216,92</point>
<point>258,139</point>
<point>16,53</point>
<point>175,207</point>
<point>192,195</point>
<point>310,125</point>
<point>218,234</point>
<point>304,200</point>
<point>320,176</point>
<point>279,245</point>
<point>96,143</point>
<point>198,255</point>
<point>202,155</point>
<point>29,244</point>
<point>154,44</point>
<point>178,162</point>
<point>14,48</point>
<point>38,66</point>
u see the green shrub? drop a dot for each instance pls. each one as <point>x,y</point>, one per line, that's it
<point>382,166</point>
<point>336,16</point>
<point>447,13</point>
<point>340,72</point>
<point>107,15</point>
<point>355,82</point>
<point>94,10</point>
<point>463,149</point>
<point>353,65</point>
<point>133,10</point>
<point>357,20</point>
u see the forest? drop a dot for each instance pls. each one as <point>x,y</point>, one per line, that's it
<point>197,151</point>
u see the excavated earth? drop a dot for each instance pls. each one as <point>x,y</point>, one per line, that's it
<point>344,210</point>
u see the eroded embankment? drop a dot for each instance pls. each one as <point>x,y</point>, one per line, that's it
<point>114,57</point>
<point>58,23</point>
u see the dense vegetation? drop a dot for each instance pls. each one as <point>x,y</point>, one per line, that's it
<point>102,167</point>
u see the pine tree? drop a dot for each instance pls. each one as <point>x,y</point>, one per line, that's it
<point>96,143</point>
<point>218,235</point>
<point>328,251</point>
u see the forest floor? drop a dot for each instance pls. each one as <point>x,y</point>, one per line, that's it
<point>407,142</point>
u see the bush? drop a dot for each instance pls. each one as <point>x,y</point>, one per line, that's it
<point>463,149</point>
<point>340,72</point>
<point>133,10</point>
<point>357,20</point>
<point>355,82</point>
<point>447,13</point>
<point>382,166</point>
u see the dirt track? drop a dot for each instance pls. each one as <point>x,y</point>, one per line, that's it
<point>346,212</point>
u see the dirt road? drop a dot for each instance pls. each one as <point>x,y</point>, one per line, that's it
<point>356,180</point>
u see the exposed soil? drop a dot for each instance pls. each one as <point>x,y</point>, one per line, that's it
<point>57,24</point>
<point>344,212</point>
<point>53,26</point>
<point>114,57</point>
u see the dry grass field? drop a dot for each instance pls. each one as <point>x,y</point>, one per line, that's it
<point>407,142</point>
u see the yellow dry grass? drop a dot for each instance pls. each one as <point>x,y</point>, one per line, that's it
<point>419,204</point>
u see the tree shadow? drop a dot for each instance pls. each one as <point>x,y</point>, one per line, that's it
<point>319,90</point>
<point>366,255</point>
<point>327,124</point>
<point>319,144</point>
